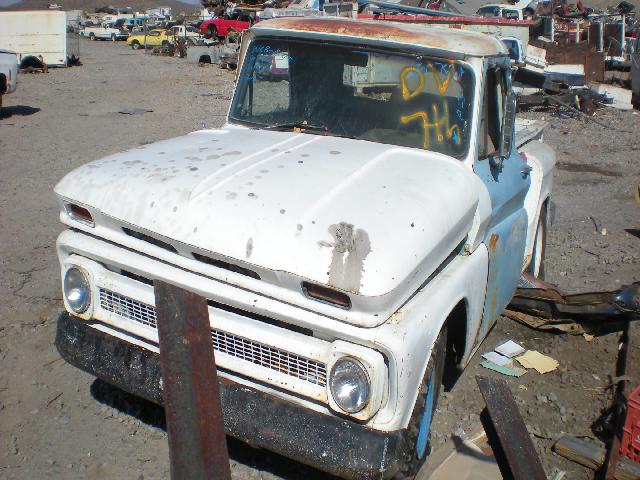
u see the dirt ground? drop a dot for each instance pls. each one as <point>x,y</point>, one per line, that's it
<point>58,422</point>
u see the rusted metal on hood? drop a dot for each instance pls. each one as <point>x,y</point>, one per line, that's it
<point>350,249</point>
<point>460,42</point>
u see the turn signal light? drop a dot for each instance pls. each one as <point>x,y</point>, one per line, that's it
<point>326,295</point>
<point>80,214</point>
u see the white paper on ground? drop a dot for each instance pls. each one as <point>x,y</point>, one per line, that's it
<point>497,359</point>
<point>510,349</point>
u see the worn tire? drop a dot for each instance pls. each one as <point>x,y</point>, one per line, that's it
<point>536,265</point>
<point>417,437</point>
<point>135,45</point>
<point>92,37</point>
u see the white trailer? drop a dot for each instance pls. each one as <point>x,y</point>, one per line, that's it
<point>8,73</point>
<point>38,37</point>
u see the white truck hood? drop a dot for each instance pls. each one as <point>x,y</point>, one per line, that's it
<point>360,216</point>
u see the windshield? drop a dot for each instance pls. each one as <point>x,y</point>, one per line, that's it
<point>375,95</point>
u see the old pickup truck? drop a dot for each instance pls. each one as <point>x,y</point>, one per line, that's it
<point>357,226</point>
<point>105,32</point>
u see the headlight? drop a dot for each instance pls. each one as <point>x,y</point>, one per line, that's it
<point>349,385</point>
<point>76,290</point>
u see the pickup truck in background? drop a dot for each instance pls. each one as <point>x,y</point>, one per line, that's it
<point>8,73</point>
<point>180,31</point>
<point>357,226</point>
<point>105,32</point>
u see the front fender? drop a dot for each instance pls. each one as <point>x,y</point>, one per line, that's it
<point>408,336</point>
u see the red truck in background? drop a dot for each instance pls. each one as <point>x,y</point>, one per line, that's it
<point>219,27</point>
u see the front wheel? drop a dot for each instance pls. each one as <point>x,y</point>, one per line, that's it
<point>213,31</point>
<point>113,37</point>
<point>92,37</point>
<point>418,434</point>
<point>536,265</point>
<point>135,45</point>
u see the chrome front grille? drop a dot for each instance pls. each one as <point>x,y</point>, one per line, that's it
<point>270,357</point>
<point>242,348</point>
<point>128,308</point>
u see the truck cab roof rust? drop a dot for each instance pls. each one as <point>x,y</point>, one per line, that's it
<point>438,41</point>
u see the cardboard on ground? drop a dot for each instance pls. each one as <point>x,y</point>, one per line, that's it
<point>534,359</point>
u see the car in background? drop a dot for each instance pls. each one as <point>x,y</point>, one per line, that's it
<point>219,27</point>
<point>8,72</point>
<point>153,38</point>
<point>496,10</point>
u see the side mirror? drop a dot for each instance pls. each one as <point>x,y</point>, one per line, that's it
<point>508,126</point>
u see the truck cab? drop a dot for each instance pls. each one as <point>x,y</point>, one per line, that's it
<point>357,225</point>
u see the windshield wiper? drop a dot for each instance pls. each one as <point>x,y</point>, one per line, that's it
<point>291,125</point>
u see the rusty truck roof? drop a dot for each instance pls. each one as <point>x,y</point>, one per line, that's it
<point>445,40</point>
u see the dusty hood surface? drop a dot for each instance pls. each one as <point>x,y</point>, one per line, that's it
<point>360,216</point>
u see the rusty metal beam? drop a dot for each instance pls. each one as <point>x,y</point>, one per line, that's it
<point>623,392</point>
<point>507,433</point>
<point>542,305</point>
<point>197,442</point>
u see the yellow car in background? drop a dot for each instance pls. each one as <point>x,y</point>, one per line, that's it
<point>153,38</point>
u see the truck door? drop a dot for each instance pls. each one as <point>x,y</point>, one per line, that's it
<point>506,179</point>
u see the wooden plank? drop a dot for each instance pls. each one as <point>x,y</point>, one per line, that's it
<point>520,460</point>
<point>584,452</point>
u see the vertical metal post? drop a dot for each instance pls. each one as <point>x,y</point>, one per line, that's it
<point>577,32</point>
<point>600,35</point>
<point>197,442</point>
<point>623,34</point>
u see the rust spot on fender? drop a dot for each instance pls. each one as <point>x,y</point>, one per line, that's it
<point>493,242</point>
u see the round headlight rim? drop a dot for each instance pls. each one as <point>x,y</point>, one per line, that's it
<point>359,364</point>
<point>85,280</point>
